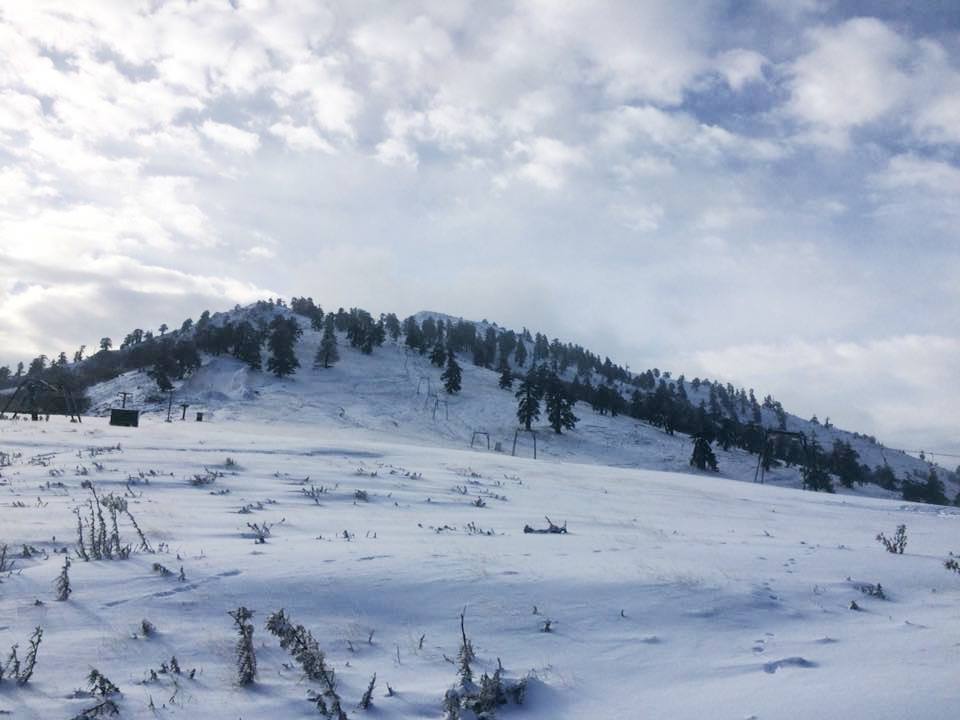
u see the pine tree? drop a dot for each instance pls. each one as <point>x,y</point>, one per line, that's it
<point>247,344</point>
<point>559,407</point>
<point>164,368</point>
<point>520,354</point>
<point>284,333</point>
<point>246,658</point>
<point>25,671</point>
<point>438,356</point>
<point>528,400</point>
<point>452,375</point>
<point>814,470</point>
<point>62,584</point>
<point>186,357</point>
<point>327,353</point>
<point>37,365</point>
<point>414,336</point>
<point>506,376</point>
<point>392,325</point>
<point>541,347</point>
<point>703,456</point>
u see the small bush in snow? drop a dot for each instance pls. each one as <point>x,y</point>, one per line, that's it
<point>171,668</point>
<point>62,583</point>
<point>208,477</point>
<point>95,539</point>
<point>873,590</point>
<point>367,700</point>
<point>162,570</point>
<point>551,529</point>
<point>314,493</point>
<point>300,643</point>
<point>102,688</point>
<point>246,658</point>
<point>21,672</point>
<point>481,700</point>
<point>261,531</point>
<point>6,564</point>
<point>899,542</point>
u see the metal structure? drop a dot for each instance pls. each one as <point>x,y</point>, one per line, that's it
<point>123,399</point>
<point>768,435</point>
<point>424,379</point>
<point>436,406</point>
<point>31,391</point>
<point>184,406</point>
<point>479,433</point>
<point>516,434</point>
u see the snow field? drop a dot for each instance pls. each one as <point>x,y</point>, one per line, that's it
<point>673,595</point>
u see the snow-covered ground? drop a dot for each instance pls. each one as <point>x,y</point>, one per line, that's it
<point>674,595</point>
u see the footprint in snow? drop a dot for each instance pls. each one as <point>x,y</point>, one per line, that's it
<point>176,589</point>
<point>772,667</point>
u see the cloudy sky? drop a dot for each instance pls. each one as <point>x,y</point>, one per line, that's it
<point>765,191</point>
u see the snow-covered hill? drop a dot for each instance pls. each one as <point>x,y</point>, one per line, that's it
<point>397,393</point>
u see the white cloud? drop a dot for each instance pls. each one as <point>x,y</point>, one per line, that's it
<point>646,51</point>
<point>908,171</point>
<point>680,134</point>
<point>740,67</point>
<point>259,252</point>
<point>545,161</point>
<point>853,74</point>
<point>317,84</point>
<point>641,218</point>
<point>863,71</point>
<point>231,137</point>
<point>394,151</point>
<point>939,120</point>
<point>300,137</point>
<point>48,308</point>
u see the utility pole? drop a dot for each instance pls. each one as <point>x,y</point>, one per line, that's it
<point>123,396</point>
<point>184,406</point>
<point>169,404</point>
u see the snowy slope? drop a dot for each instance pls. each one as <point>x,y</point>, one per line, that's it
<point>398,394</point>
<point>673,596</point>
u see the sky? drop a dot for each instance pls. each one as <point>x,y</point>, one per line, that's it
<point>764,192</point>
